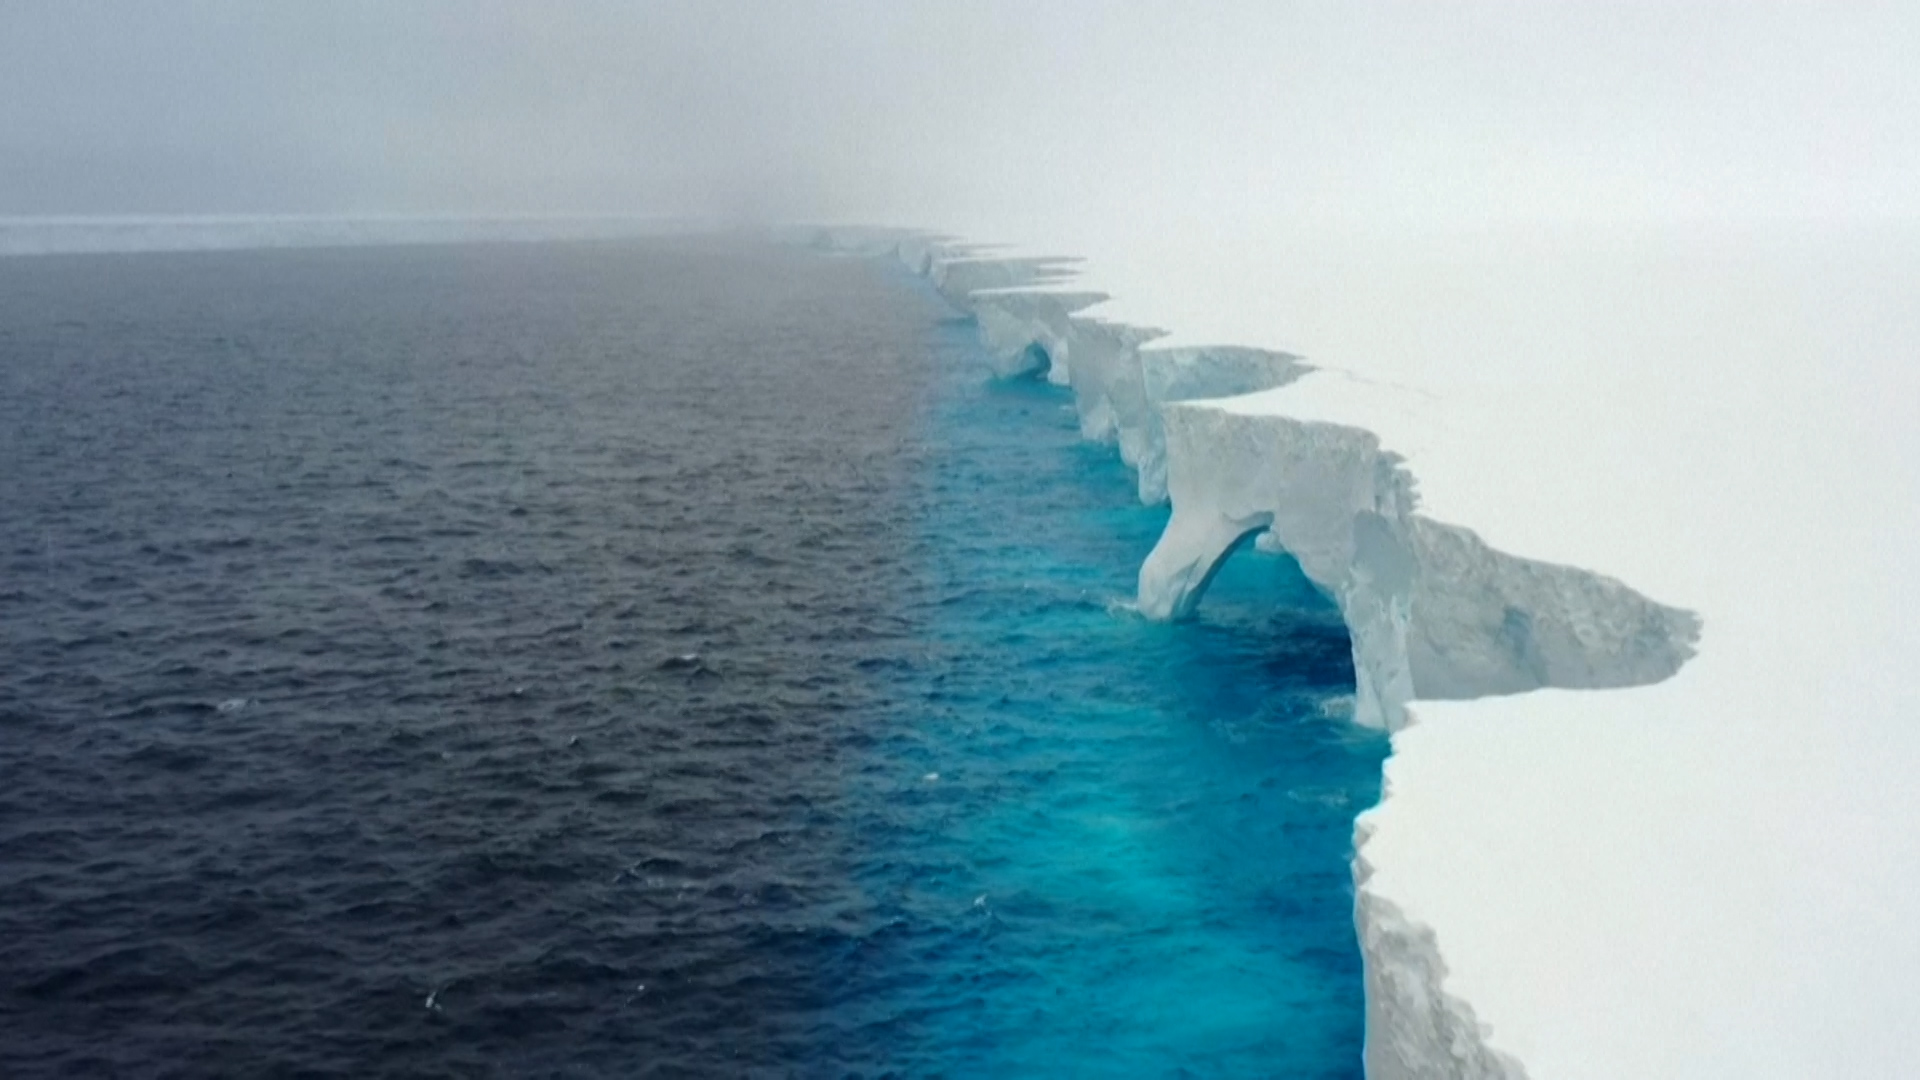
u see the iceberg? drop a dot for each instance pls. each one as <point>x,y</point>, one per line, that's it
<point>1618,838</point>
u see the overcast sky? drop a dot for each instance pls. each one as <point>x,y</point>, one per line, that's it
<point>914,109</point>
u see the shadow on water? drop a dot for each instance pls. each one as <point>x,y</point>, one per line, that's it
<point>1098,844</point>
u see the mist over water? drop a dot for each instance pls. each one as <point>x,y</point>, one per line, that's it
<point>665,658</point>
<point>1153,117</point>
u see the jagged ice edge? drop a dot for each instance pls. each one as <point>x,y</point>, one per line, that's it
<point>1432,611</point>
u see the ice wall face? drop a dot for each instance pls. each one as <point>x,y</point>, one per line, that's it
<point>1415,1030</point>
<point>1033,327</point>
<point>958,276</point>
<point>1490,623</point>
<point>1029,334</point>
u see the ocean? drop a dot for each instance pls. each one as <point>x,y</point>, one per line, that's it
<point>658,658</point>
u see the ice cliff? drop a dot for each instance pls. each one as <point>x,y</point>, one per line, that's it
<point>1433,612</point>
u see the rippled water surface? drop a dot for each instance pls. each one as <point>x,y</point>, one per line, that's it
<point>666,659</point>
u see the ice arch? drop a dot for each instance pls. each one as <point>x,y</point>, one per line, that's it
<point>1032,362</point>
<point>1433,611</point>
<point>1204,544</point>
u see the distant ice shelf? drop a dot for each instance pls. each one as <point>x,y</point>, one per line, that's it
<point>131,234</point>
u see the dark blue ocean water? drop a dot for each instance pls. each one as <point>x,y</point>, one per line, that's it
<point>665,659</point>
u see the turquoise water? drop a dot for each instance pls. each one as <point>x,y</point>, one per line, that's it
<point>1098,845</point>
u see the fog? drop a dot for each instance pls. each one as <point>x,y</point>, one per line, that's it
<point>930,113</point>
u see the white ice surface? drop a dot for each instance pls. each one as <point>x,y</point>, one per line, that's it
<point>1716,875</point>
